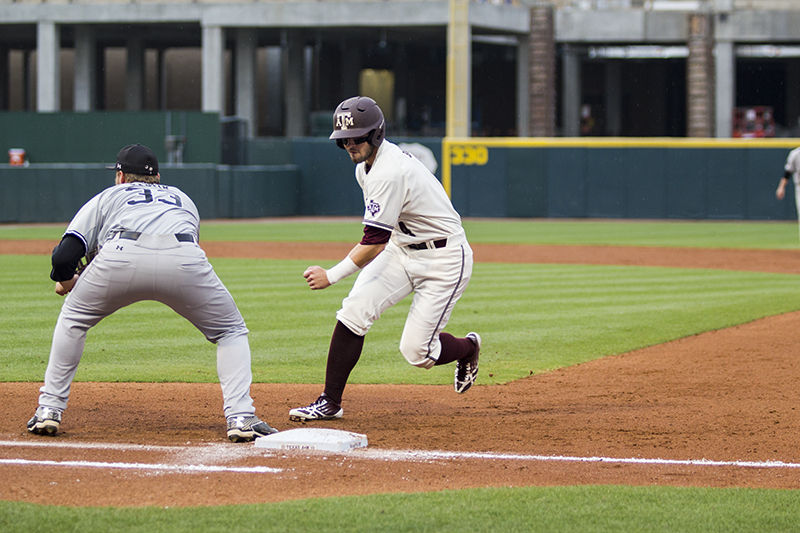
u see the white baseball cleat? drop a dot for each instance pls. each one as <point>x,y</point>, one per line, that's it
<point>322,408</point>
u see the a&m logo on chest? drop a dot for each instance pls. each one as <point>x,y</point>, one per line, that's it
<point>344,121</point>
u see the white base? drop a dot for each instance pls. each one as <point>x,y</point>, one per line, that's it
<point>322,439</point>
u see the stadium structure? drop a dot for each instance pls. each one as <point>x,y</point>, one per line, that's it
<point>695,68</point>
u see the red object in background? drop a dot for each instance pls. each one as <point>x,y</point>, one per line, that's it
<point>753,122</point>
<point>16,156</point>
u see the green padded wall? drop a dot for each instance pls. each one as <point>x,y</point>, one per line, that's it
<point>55,192</point>
<point>93,137</point>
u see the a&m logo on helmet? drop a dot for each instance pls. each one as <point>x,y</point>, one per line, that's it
<point>344,121</point>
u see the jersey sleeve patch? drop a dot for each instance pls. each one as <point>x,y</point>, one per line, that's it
<point>373,208</point>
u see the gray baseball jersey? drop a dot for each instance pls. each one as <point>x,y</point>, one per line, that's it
<point>147,235</point>
<point>150,208</point>
<point>428,253</point>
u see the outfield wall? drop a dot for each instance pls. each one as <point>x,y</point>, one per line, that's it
<point>618,178</point>
<point>521,178</point>
<point>55,192</point>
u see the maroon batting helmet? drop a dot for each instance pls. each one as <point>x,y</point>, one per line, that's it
<point>358,117</point>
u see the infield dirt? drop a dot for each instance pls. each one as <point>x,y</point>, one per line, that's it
<point>728,395</point>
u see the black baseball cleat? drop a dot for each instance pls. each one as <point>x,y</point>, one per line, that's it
<point>45,421</point>
<point>246,428</point>
<point>323,408</point>
<point>467,368</point>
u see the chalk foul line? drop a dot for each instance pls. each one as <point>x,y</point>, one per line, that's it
<point>226,450</point>
<point>410,455</point>
<point>183,469</point>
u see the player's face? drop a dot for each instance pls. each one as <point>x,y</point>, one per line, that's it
<point>359,149</point>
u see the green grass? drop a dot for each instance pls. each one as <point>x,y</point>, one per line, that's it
<point>531,317</point>
<point>701,234</point>
<point>705,234</point>
<point>586,509</point>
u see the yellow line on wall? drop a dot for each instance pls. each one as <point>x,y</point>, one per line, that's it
<point>473,144</point>
<point>622,142</point>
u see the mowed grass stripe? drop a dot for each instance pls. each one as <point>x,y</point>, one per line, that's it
<point>532,318</point>
<point>670,233</point>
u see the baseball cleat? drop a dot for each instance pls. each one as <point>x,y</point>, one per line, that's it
<point>321,409</point>
<point>45,421</point>
<point>246,428</point>
<point>467,368</point>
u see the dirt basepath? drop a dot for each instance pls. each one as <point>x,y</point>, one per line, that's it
<point>785,261</point>
<point>718,409</point>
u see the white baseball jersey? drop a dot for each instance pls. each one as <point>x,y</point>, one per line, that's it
<point>401,195</point>
<point>793,165</point>
<point>147,234</point>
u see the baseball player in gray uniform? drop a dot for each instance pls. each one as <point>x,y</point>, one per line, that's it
<point>791,171</point>
<point>413,242</point>
<point>145,236</point>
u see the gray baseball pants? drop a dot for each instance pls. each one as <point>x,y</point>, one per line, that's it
<point>152,268</point>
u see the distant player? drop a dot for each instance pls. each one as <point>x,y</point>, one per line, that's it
<point>791,170</point>
<point>147,237</point>
<point>413,243</point>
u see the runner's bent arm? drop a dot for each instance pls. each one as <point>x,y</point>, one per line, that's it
<point>361,255</point>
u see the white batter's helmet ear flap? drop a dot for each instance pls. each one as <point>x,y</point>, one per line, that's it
<point>357,117</point>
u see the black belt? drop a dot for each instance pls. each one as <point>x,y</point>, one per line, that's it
<point>429,245</point>
<point>134,235</point>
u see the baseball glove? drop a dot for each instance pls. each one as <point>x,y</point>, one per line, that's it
<point>83,262</point>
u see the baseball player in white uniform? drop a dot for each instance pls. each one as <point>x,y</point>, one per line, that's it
<point>145,236</point>
<point>791,170</point>
<point>413,243</point>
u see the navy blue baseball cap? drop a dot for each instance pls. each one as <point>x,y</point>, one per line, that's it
<point>136,159</point>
